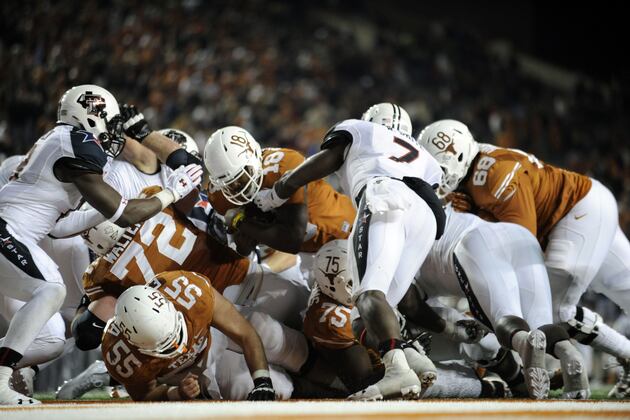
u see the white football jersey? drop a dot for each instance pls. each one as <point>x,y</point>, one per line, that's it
<point>8,167</point>
<point>129,181</point>
<point>34,198</point>
<point>378,151</point>
<point>437,274</point>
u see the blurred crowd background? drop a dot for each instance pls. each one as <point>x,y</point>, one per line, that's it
<point>288,70</point>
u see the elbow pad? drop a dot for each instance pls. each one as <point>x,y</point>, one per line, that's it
<point>87,330</point>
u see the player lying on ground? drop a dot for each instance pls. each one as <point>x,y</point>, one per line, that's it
<point>327,325</point>
<point>157,344</point>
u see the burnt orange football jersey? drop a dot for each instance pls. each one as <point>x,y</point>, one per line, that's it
<point>168,241</point>
<point>330,214</point>
<point>193,295</point>
<point>327,323</point>
<point>512,186</point>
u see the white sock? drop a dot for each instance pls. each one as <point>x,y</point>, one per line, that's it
<point>611,342</point>
<point>5,375</point>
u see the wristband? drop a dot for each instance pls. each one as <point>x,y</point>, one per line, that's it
<point>119,210</point>
<point>166,197</point>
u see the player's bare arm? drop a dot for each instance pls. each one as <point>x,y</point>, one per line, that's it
<point>231,323</point>
<point>124,213</point>
<point>316,167</point>
<point>167,151</point>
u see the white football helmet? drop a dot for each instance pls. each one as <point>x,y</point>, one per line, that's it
<point>332,273</point>
<point>183,139</point>
<point>102,237</point>
<point>95,110</point>
<point>454,148</point>
<point>150,322</point>
<point>234,163</point>
<point>391,116</point>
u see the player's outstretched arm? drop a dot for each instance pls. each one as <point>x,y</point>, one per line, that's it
<point>231,323</point>
<point>315,167</point>
<point>167,151</point>
<point>123,212</point>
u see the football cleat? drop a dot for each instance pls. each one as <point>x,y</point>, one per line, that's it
<point>495,387</point>
<point>399,381</point>
<point>22,381</point>
<point>622,387</point>
<point>420,364</point>
<point>536,376</point>
<point>95,376</point>
<point>10,397</point>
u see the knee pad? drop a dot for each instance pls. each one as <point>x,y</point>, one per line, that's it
<point>507,326</point>
<point>87,330</point>
<point>584,326</point>
<point>554,333</point>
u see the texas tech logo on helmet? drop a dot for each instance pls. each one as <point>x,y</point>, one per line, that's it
<point>92,103</point>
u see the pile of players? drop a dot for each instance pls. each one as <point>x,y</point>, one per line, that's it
<point>256,279</point>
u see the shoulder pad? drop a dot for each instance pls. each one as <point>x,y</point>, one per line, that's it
<point>87,148</point>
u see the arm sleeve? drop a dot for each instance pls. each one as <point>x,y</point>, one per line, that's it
<point>336,135</point>
<point>181,157</point>
<point>76,222</point>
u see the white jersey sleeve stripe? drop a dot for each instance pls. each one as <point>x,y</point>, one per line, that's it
<point>507,180</point>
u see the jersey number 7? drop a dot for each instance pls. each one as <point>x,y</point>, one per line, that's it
<point>410,156</point>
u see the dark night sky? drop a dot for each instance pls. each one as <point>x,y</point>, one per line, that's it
<point>590,38</point>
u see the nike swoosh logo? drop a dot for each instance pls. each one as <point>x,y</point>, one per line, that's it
<point>97,326</point>
<point>579,217</point>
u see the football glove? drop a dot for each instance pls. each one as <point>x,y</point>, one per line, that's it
<point>134,123</point>
<point>268,199</point>
<point>184,179</point>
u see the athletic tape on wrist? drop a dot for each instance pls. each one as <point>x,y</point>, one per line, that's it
<point>166,197</point>
<point>260,373</point>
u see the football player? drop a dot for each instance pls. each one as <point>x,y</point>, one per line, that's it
<point>399,216</point>
<point>238,168</point>
<point>499,269</point>
<point>574,218</point>
<point>327,325</point>
<point>157,343</point>
<point>65,165</point>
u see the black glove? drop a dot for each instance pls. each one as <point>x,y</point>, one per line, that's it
<point>134,123</point>
<point>263,390</point>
